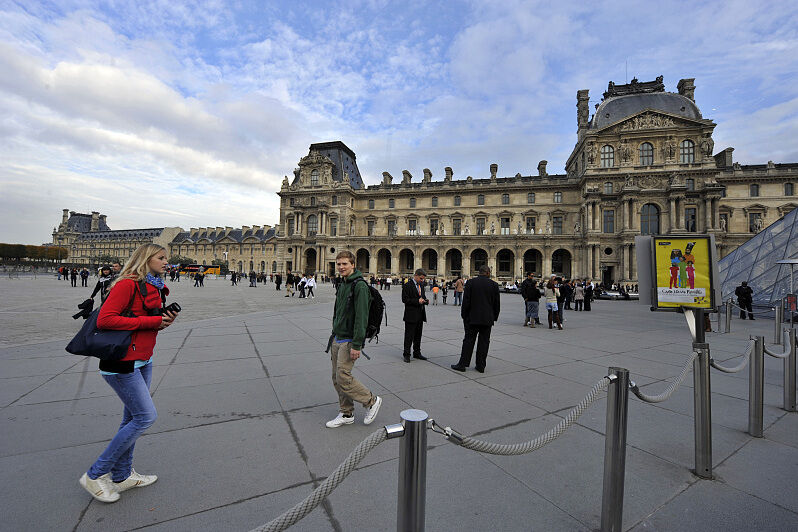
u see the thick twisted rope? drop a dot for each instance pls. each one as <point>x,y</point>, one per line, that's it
<point>537,443</point>
<point>787,349</point>
<point>669,391</point>
<point>325,488</point>
<point>741,365</point>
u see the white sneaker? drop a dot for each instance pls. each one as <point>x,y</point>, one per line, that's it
<point>339,420</point>
<point>372,413</point>
<point>135,480</point>
<point>101,488</point>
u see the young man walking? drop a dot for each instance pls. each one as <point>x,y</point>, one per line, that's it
<point>350,318</point>
<point>531,295</point>
<point>415,302</point>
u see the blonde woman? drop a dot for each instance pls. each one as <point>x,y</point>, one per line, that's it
<point>126,308</point>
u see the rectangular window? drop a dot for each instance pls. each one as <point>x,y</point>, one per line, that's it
<point>371,204</point>
<point>335,200</point>
<point>690,217</point>
<point>505,199</point>
<point>788,189</point>
<point>433,227</point>
<point>530,225</point>
<point>411,226</point>
<point>435,201</point>
<point>557,225</point>
<point>609,221</point>
<point>391,227</point>
<point>481,199</point>
<point>480,226</point>
<point>457,201</point>
<point>505,226</point>
<point>370,227</point>
<point>456,226</point>
<point>412,203</point>
<point>530,197</point>
<point>558,197</point>
<point>333,227</point>
<point>391,203</point>
<point>290,226</point>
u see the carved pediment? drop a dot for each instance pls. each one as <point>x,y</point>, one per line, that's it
<point>644,182</point>
<point>649,119</point>
<point>314,158</point>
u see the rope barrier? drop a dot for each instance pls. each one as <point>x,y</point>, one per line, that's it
<point>529,446</point>
<point>787,349</point>
<point>741,365</point>
<point>669,391</point>
<point>325,488</point>
<point>755,313</point>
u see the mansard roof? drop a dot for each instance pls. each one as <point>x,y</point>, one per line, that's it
<point>121,234</point>
<point>81,223</point>
<point>616,108</point>
<point>213,236</point>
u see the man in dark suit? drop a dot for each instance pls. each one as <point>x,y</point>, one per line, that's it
<point>415,314</point>
<point>480,309</point>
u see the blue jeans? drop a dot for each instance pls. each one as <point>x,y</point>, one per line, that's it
<point>458,298</point>
<point>532,309</point>
<point>139,415</point>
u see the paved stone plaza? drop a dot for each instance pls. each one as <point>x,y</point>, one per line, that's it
<point>242,387</point>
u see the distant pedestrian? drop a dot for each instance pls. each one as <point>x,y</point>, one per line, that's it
<point>289,284</point>
<point>278,281</point>
<point>73,276</point>
<point>480,310</point>
<point>745,299</point>
<point>350,316</point>
<point>303,282</point>
<point>444,290</point>
<point>531,295</point>
<point>588,294</point>
<point>103,285</point>
<point>458,291</point>
<point>579,296</point>
<point>415,315</point>
<point>311,284</point>
<point>552,292</point>
<point>253,279</point>
<point>84,277</point>
<point>435,290</point>
<point>233,279</point>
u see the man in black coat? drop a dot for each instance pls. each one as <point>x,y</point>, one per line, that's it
<point>415,314</point>
<point>480,309</point>
<point>745,298</point>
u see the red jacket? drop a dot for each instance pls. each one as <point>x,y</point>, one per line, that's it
<point>145,327</point>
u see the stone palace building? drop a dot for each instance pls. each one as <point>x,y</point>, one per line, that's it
<point>643,163</point>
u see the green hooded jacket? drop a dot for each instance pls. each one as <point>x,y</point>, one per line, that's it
<point>351,322</point>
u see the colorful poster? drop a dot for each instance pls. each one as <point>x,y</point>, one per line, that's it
<point>683,272</point>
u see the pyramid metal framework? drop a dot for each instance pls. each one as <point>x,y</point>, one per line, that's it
<point>755,262</point>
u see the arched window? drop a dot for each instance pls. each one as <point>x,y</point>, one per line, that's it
<point>646,154</point>
<point>313,224</point>
<point>789,189</point>
<point>607,156</point>
<point>649,219</point>
<point>530,197</point>
<point>687,151</point>
<point>434,201</point>
<point>753,191</point>
<point>314,177</point>
<point>505,199</point>
<point>608,187</point>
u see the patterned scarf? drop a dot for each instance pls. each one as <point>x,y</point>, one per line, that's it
<point>155,281</point>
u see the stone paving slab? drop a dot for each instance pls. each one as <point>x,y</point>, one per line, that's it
<point>242,387</point>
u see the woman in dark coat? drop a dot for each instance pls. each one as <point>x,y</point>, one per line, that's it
<point>588,294</point>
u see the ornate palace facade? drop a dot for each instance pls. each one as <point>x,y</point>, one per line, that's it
<point>644,162</point>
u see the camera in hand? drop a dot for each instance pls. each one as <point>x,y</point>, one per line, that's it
<point>173,307</point>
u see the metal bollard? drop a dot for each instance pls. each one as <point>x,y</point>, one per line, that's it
<point>615,451</point>
<point>777,328</point>
<point>702,412</point>
<point>789,375</point>
<point>728,315</point>
<point>756,387</point>
<point>411,505</point>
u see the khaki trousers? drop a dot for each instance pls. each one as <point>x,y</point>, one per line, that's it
<point>350,390</point>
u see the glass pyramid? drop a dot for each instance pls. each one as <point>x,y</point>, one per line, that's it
<point>755,262</point>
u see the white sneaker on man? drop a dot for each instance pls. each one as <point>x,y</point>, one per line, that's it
<point>101,488</point>
<point>135,480</point>
<point>339,420</point>
<point>372,413</point>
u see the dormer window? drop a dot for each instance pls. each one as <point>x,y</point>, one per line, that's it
<point>314,178</point>
<point>646,154</point>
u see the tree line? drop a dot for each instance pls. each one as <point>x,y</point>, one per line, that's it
<point>22,253</point>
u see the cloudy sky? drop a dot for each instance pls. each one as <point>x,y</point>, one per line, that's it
<point>190,113</point>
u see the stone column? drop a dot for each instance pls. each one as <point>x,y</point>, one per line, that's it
<point>491,261</point>
<point>519,264</point>
<point>716,213</point>
<point>622,270</point>
<point>416,259</point>
<point>596,261</point>
<point>672,218</point>
<point>589,216</point>
<point>372,262</point>
<point>466,263</point>
<point>632,263</point>
<point>625,220</point>
<point>394,261</point>
<point>708,213</point>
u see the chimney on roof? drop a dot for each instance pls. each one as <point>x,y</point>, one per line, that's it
<point>102,219</point>
<point>65,216</point>
<point>542,168</point>
<point>493,169</point>
<point>95,221</point>
<point>407,177</point>
<point>266,228</point>
<point>387,178</point>
<point>192,231</point>
<point>724,159</point>
<point>582,108</point>
<point>255,228</point>
<point>227,230</point>
<point>244,228</point>
<point>449,174</point>
<point>427,175</point>
<point>219,230</point>
<point>686,88</point>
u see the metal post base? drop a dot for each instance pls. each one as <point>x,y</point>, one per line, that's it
<point>615,451</point>
<point>411,506</point>
<point>702,406</point>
